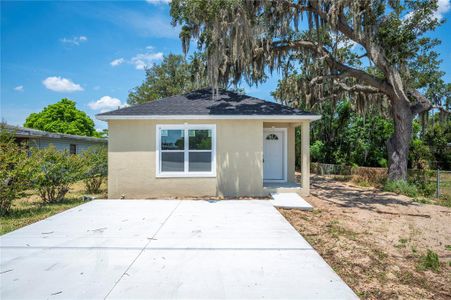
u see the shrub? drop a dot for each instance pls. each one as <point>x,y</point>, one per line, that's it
<point>52,172</point>
<point>422,180</point>
<point>430,261</point>
<point>95,168</point>
<point>13,171</point>
<point>401,187</point>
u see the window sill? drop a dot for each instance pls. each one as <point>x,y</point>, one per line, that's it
<point>175,175</point>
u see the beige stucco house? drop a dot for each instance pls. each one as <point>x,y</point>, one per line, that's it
<point>194,145</point>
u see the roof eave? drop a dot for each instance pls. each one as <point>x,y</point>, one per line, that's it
<point>210,117</point>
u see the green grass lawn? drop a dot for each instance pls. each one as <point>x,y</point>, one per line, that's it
<point>30,209</point>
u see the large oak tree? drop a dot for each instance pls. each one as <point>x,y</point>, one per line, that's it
<point>245,39</point>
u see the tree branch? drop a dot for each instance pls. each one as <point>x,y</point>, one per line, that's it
<point>358,88</point>
<point>422,103</point>
<point>319,79</point>
<point>370,80</point>
<point>373,50</point>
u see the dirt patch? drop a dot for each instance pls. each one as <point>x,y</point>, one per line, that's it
<point>377,241</point>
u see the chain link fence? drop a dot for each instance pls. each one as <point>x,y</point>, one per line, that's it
<point>443,183</point>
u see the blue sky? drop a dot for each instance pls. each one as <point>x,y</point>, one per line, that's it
<point>94,53</point>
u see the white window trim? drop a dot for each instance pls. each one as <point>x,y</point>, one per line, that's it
<point>185,127</point>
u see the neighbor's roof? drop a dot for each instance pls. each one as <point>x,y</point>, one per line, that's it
<point>18,131</point>
<point>201,105</point>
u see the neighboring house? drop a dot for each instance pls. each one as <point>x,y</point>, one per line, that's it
<point>41,139</point>
<point>192,146</point>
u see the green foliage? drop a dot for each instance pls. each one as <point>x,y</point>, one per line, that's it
<point>103,133</point>
<point>317,150</point>
<point>95,168</point>
<point>53,171</point>
<point>173,76</point>
<point>422,180</point>
<point>430,261</point>
<point>62,117</point>
<point>437,136</point>
<point>401,187</point>
<point>343,136</point>
<point>419,155</point>
<point>14,170</point>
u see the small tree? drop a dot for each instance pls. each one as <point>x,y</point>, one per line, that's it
<point>52,173</point>
<point>13,171</point>
<point>95,168</point>
<point>62,117</point>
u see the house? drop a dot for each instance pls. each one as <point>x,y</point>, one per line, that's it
<point>192,145</point>
<point>75,144</point>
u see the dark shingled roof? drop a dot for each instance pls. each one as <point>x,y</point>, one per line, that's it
<point>200,102</point>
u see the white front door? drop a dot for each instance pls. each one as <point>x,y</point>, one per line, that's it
<point>273,155</point>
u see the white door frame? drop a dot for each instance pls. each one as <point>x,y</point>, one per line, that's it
<point>284,152</point>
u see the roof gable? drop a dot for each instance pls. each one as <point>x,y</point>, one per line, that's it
<point>201,103</point>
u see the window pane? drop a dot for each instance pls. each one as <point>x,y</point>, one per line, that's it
<point>200,161</point>
<point>172,161</point>
<point>199,139</point>
<point>73,149</point>
<point>272,136</point>
<point>172,139</point>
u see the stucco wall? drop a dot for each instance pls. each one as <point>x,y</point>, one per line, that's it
<point>131,167</point>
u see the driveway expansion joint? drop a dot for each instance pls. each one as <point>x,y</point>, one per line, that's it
<point>142,250</point>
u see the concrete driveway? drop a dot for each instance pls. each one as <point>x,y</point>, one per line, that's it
<point>165,249</point>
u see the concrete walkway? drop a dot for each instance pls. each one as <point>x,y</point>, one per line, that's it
<point>290,201</point>
<point>165,249</point>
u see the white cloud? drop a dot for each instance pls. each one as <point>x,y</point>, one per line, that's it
<point>60,84</point>
<point>19,88</point>
<point>156,2</point>
<point>443,7</point>
<point>106,103</point>
<point>143,60</point>
<point>76,40</point>
<point>117,62</point>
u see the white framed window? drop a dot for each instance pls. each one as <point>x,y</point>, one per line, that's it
<point>186,150</point>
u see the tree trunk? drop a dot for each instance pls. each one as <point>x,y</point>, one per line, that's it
<point>398,145</point>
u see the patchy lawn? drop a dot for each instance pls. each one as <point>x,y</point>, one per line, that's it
<point>30,209</point>
<point>383,245</point>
